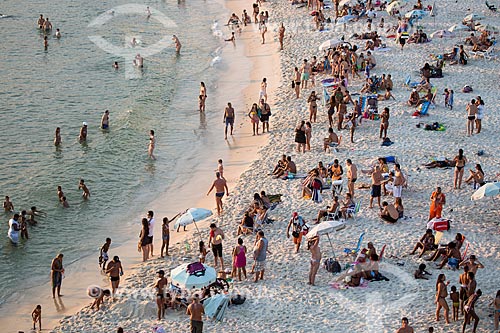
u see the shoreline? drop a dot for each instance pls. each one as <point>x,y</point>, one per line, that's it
<point>242,149</point>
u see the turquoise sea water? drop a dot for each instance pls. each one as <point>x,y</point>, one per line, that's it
<point>72,82</point>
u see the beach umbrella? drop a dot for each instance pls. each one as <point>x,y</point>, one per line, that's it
<point>487,190</point>
<point>326,228</point>
<point>473,17</point>
<point>345,19</point>
<point>182,278</point>
<point>394,5</point>
<point>458,27</point>
<point>488,27</point>
<point>416,13</point>
<point>192,215</point>
<point>442,34</point>
<point>329,44</point>
<point>342,3</point>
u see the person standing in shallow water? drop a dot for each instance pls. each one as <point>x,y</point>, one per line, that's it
<point>228,119</point>
<point>57,137</point>
<point>56,274</point>
<point>152,143</point>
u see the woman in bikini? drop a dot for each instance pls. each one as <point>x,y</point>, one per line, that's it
<point>476,176</point>
<point>254,118</point>
<point>460,161</point>
<point>296,82</point>
<point>441,294</point>
<point>151,146</point>
<point>313,106</point>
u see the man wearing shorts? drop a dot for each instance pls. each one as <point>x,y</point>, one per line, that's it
<point>305,71</point>
<point>215,241</point>
<point>376,191</point>
<point>399,180</point>
<point>220,185</point>
<point>115,270</point>
<point>195,310</point>
<point>298,223</point>
<point>228,118</point>
<point>260,255</point>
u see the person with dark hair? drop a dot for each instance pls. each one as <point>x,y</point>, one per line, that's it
<point>115,270</point>
<point>405,328</point>
<point>260,255</point>
<point>220,185</point>
<point>477,176</point>
<point>389,213</point>
<point>470,311</point>
<point>460,161</point>
<point>215,241</point>
<point>441,294</point>
<point>313,246</point>
<point>438,200</point>
<point>426,243</point>
<point>420,273</point>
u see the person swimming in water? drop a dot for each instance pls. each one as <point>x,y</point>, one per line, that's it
<point>58,33</point>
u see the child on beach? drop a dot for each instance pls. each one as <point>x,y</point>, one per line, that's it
<point>448,98</point>
<point>420,273</point>
<point>103,255</point>
<point>220,168</point>
<point>36,315</point>
<point>455,301</point>
<point>203,252</point>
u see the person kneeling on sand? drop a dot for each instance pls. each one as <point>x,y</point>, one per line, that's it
<point>389,213</point>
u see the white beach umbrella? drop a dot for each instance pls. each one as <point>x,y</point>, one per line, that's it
<point>416,13</point>
<point>473,17</point>
<point>183,279</point>
<point>342,3</point>
<point>192,215</point>
<point>487,27</point>
<point>487,190</point>
<point>329,44</point>
<point>442,34</point>
<point>458,27</point>
<point>394,5</point>
<point>345,19</point>
<point>324,228</point>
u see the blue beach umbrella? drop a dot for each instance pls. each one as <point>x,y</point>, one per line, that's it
<point>487,190</point>
<point>182,278</point>
<point>416,13</point>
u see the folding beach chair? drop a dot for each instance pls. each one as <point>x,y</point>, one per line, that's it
<point>355,251</point>
<point>424,108</point>
<point>354,211</point>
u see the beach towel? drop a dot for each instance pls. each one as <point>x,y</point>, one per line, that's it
<point>342,286</point>
<point>386,142</point>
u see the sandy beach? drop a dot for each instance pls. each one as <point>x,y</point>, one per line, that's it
<point>283,301</point>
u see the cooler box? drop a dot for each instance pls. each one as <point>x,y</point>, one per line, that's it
<point>439,224</point>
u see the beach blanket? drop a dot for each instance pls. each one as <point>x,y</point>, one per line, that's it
<point>342,286</point>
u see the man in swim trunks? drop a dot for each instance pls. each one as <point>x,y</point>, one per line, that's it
<point>263,90</point>
<point>56,273</point>
<point>215,241</point>
<point>352,176</point>
<point>115,270</point>
<point>40,22</point>
<point>195,310</point>
<point>83,133</point>
<point>376,191</point>
<point>160,286</point>
<point>105,120</point>
<point>265,113</point>
<point>220,185</point>
<point>84,188</point>
<point>47,26</point>
<point>228,118</point>
<point>281,35</point>
<point>8,206</point>
<point>103,255</point>
<point>405,328</point>
<point>399,180</point>
<point>305,71</point>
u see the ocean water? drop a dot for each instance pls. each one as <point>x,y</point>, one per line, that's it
<point>72,82</point>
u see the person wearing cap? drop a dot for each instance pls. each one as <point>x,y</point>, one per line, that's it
<point>195,311</point>
<point>298,223</point>
<point>83,132</point>
<point>115,270</point>
<point>160,293</point>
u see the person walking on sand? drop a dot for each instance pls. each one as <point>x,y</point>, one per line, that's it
<point>239,259</point>
<point>177,44</point>
<point>281,35</point>
<point>56,275</point>
<point>297,224</point>
<point>215,241</point>
<point>165,235</point>
<point>296,82</point>
<point>263,30</point>
<point>195,311</point>
<point>105,120</point>
<point>405,328</point>
<point>470,312</point>
<point>263,90</point>
<point>253,114</point>
<point>151,146</point>
<point>103,254</point>
<point>160,288</point>
<point>261,250</point>
<point>36,315</point>
<point>313,246</point>
<point>458,174</point>
<point>441,294</point>
<point>471,116</point>
<point>84,188</point>
<point>57,137</point>
<point>313,106</point>
<point>115,270</point>
<point>228,119</point>
<point>438,200</point>
<point>479,114</point>
<point>220,185</point>
<point>144,240</point>
<point>352,176</point>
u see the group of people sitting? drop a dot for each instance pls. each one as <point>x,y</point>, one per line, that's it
<point>285,168</point>
<point>449,254</point>
<point>337,209</point>
<point>479,44</point>
<point>256,214</point>
<point>418,37</point>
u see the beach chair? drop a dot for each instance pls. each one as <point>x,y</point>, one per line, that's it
<point>381,255</point>
<point>337,187</point>
<point>425,108</point>
<point>354,251</point>
<point>354,211</point>
<point>408,84</point>
<point>333,216</point>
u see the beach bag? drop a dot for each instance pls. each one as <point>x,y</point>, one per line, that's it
<point>238,299</point>
<point>331,265</point>
<point>387,142</point>
<point>467,89</point>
